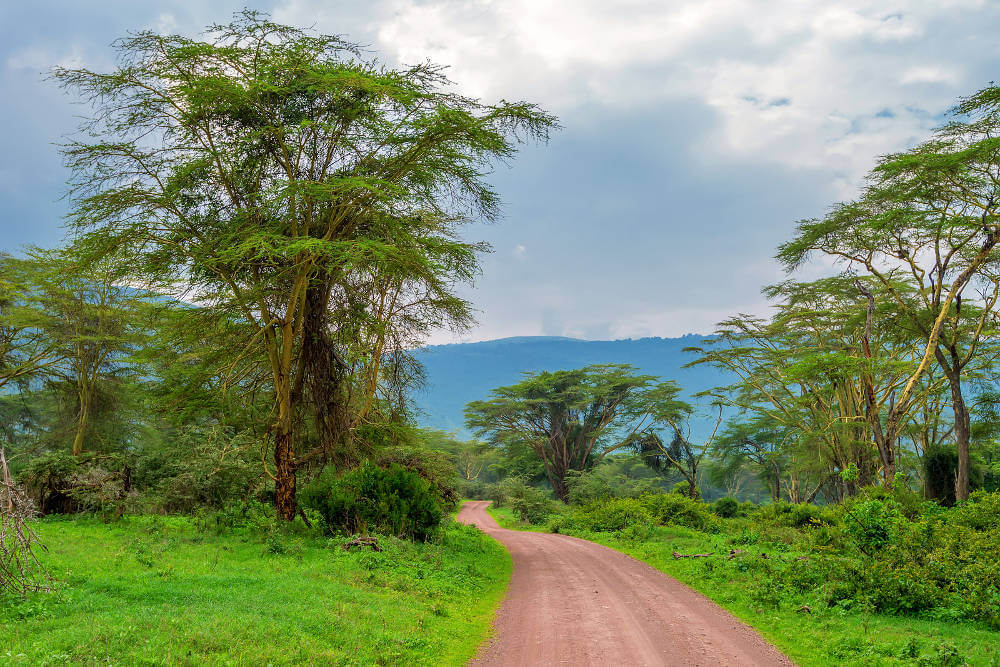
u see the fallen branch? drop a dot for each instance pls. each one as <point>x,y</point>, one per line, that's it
<point>677,555</point>
<point>733,553</point>
<point>360,541</point>
<point>20,570</point>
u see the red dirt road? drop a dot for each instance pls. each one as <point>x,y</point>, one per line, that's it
<point>573,602</point>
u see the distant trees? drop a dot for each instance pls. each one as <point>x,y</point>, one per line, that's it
<point>570,419</point>
<point>307,197</point>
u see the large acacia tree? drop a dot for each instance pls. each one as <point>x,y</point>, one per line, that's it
<point>264,170</point>
<point>572,419</point>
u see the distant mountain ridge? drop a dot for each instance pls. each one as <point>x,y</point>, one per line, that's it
<point>463,372</point>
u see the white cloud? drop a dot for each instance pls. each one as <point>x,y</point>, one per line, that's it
<point>792,82</point>
<point>41,59</point>
<point>520,252</point>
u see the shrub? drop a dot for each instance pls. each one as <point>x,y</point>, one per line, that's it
<point>530,503</point>
<point>981,512</point>
<point>872,524</point>
<point>675,509</point>
<point>727,508</point>
<point>390,500</point>
<point>434,467</point>
<point>61,484</point>
<point>797,515</point>
<point>611,515</point>
<point>604,482</point>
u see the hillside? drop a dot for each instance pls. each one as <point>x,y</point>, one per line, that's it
<point>464,372</point>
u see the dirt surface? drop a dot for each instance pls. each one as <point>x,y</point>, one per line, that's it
<point>573,602</point>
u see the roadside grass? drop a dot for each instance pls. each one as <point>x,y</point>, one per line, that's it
<point>813,636</point>
<point>155,589</point>
<point>817,636</point>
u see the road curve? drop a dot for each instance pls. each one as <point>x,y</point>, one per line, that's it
<point>573,602</point>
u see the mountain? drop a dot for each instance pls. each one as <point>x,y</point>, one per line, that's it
<point>463,372</point>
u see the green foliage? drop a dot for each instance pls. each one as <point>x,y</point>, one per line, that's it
<point>727,508</point>
<point>433,467</point>
<point>981,512</point>
<point>60,483</point>
<point>610,479</point>
<point>872,524</point>
<point>393,501</point>
<point>678,510</point>
<point>611,515</point>
<point>529,503</point>
<point>797,515</point>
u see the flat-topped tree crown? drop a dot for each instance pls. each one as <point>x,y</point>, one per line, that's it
<point>289,184</point>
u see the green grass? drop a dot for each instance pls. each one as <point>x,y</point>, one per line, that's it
<point>824,636</point>
<point>814,637</point>
<point>165,590</point>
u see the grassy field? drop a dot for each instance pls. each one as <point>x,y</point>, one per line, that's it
<point>818,637</point>
<point>165,590</point>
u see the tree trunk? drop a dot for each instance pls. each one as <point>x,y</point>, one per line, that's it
<point>557,478</point>
<point>952,372</point>
<point>81,423</point>
<point>324,375</point>
<point>284,482</point>
<point>883,439</point>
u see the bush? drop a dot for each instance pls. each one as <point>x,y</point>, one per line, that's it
<point>604,482</point>
<point>675,509</point>
<point>611,515</point>
<point>392,500</point>
<point>434,467</point>
<point>981,512</point>
<point>872,524</point>
<point>727,508</point>
<point>62,484</point>
<point>528,502</point>
<point>797,515</point>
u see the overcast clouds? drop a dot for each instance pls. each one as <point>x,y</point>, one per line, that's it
<point>695,133</point>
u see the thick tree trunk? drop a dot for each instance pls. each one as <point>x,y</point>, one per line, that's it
<point>81,424</point>
<point>962,438</point>
<point>284,482</point>
<point>325,379</point>
<point>951,365</point>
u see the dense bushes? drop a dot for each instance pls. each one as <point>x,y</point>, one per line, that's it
<point>651,509</point>
<point>392,500</point>
<point>884,551</point>
<point>528,502</point>
<point>59,483</point>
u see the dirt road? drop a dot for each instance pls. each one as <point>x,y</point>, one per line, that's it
<point>573,602</point>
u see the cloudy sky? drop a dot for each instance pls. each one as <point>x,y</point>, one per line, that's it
<point>695,132</point>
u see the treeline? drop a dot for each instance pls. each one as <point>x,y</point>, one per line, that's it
<point>264,223</point>
<point>884,373</point>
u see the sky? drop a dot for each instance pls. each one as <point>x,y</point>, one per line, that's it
<point>694,133</point>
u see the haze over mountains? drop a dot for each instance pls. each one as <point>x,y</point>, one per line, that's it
<point>463,372</point>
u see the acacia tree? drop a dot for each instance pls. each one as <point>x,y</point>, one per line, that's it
<point>821,373</point>
<point>931,214</point>
<point>570,419</point>
<point>258,171</point>
<point>95,323</point>
<point>681,454</point>
<point>25,348</point>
